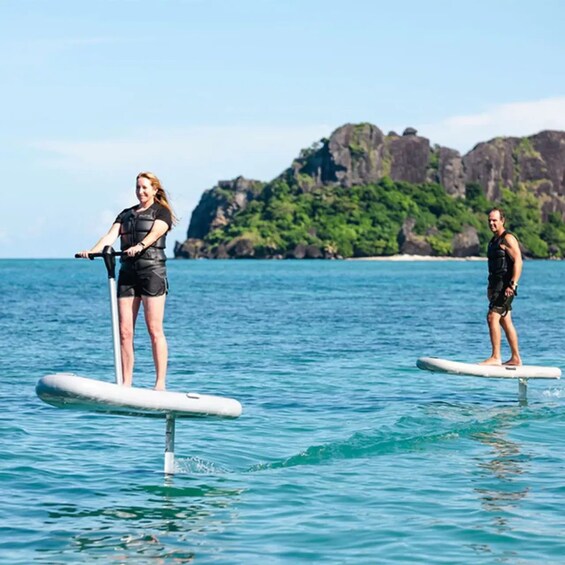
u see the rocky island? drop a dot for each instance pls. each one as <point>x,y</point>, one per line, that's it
<point>361,193</point>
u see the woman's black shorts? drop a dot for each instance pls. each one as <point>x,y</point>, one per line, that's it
<point>142,278</point>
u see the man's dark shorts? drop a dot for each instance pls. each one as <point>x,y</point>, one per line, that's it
<point>142,278</point>
<point>498,301</point>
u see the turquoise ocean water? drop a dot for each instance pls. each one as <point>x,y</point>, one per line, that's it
<point>345,453</point>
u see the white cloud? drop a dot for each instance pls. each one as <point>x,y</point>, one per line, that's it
<point>40,51</point>
<point>189,161</point>
<point>513,119</point>
<point>259,147</point>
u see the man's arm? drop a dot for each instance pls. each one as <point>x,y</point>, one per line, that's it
<point>513,249</point>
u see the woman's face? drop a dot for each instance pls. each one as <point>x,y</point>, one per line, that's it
<point>144,191</point>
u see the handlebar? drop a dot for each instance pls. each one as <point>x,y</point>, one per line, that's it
<point>93,256</point>
<point>109,256</point>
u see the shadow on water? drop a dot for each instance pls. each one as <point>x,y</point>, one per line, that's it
<point>166,522</point>
<point>508,462</point>
<point>504,474</point>
<point>500,489</point>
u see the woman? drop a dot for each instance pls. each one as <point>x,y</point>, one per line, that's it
<point>142,278</point>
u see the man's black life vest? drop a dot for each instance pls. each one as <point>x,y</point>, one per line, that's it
<point>135,226</point>
<point>500,264</point>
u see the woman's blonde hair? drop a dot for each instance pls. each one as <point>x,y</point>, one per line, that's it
<point>161,196</point>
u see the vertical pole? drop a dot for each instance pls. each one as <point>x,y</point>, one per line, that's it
<point>522,389</point>
<point>170,445</point>
<point>115,331</point>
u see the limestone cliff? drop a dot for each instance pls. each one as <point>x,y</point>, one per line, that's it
<point>361,154</point>
<point>536,163</point>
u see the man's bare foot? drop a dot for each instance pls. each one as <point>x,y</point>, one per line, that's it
<point>513,361</point>
<point>491,361</point>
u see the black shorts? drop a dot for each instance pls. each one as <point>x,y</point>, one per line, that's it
<point>142,278</point>
<point>498,301</point>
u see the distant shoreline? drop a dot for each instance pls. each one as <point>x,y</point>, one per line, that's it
<point>416,258</point>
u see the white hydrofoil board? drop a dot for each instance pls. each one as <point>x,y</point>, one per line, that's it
<point>437,365</point>
<point>66,390</point>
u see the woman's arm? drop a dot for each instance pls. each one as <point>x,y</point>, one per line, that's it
<point>159,229</point>
<point>107,239</point>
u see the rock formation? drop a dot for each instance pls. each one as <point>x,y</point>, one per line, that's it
<point>536,163</point>
<point>360,154</point>
<point>466,243</point>
<point>411,244</point>
<point>216,208</point>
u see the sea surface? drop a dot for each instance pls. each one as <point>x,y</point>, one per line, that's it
<point>345,452</point>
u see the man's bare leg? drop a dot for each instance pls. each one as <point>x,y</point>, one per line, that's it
<point>493,320</point>
<point>512,337</point>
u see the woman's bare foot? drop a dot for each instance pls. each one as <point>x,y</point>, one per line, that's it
<point>491,361</point>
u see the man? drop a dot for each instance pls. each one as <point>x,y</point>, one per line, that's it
<point>505,268</point>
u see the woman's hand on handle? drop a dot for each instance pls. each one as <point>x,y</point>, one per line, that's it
<point>134,250</point>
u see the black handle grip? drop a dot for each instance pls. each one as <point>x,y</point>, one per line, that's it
<point>92,256</point>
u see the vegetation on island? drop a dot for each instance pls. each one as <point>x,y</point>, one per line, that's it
<point>366,220</point>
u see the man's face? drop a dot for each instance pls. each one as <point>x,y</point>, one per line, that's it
<point>495,223</point>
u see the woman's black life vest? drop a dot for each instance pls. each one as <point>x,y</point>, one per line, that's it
<point>135,226</point>
<point>500,264</point>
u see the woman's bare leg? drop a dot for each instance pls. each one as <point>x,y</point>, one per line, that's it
<point>154,308</point>
<point>128,309</point>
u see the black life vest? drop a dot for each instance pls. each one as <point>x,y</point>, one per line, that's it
<point>135,226</point>
<point>500,264</point>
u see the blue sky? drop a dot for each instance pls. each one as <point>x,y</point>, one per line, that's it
<point>200,91</point>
